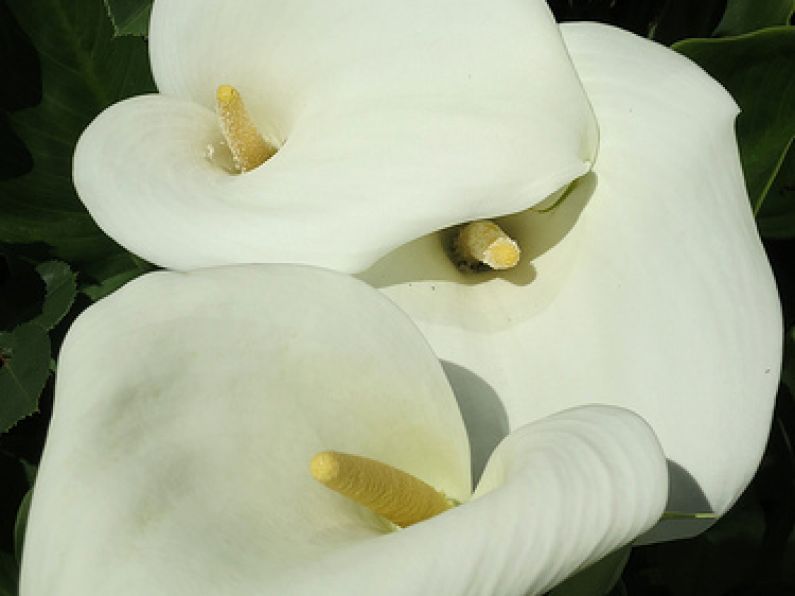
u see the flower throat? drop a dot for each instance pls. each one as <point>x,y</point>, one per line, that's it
<point>480,245</point>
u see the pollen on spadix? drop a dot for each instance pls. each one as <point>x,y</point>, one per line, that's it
<point>484,242</point>
<point>246,144</point>
<point>393,494</point>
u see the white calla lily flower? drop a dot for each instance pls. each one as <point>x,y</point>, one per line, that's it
<point>189,405</point>
<point>646,286</point>
<point>391,120</point>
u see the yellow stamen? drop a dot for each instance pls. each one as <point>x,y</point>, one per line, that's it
<point>391,493</point>
<point>485,242</point>
<point>248,148</point>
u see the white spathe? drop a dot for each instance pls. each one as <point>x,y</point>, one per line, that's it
<point>394,119</point>
<point>188,407</point>
<point>647,287</point>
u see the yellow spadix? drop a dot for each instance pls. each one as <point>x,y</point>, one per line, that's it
<point>391,493</point>
<point>248,148</point>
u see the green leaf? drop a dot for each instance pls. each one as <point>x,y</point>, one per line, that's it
<point>84,70</point>
<point>109,275</point>
<point>129,17</point>
<point>680,19</point>
<point>598,579</point>
<point>20,525</point>
<point>61,290</point>
<point>776,216</point>
<point>25,351</point>
<point>41,296</point>
<point>744,16</point>
<point>757,70</point>
<point>25,360</point>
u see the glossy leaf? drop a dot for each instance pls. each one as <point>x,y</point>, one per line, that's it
<point>61,290</point>
<point>84,69</point>
<point>744,16</point>
<point>25,359</point>
<point>129,17</point>
<point>757,70</point>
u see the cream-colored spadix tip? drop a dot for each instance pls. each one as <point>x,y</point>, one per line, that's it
<point>226,94</point>
<point>485,242</point>
<point>325,466</point>
<point>503,253</point>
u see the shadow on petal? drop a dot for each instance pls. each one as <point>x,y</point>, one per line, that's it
<point>684,496</point>
<point>536,230</point>
<point>540,229</point>
<point>422,279</point>
<point>484,415</point>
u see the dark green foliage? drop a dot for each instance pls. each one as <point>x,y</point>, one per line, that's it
<point>25,350</point>
<point>129,17</point>
<point>758,69</point>
<point>744,16</point>
<point>663,20</point>
<point>83,70</point>
<point>776,214</point>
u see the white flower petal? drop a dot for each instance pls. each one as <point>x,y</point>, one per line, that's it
<point>399,118</point>
<point>187,409</point>
<point>558,494</point>
<point>649,290</point>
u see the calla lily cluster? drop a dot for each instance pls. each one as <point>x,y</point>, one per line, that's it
<point>641,292</point>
